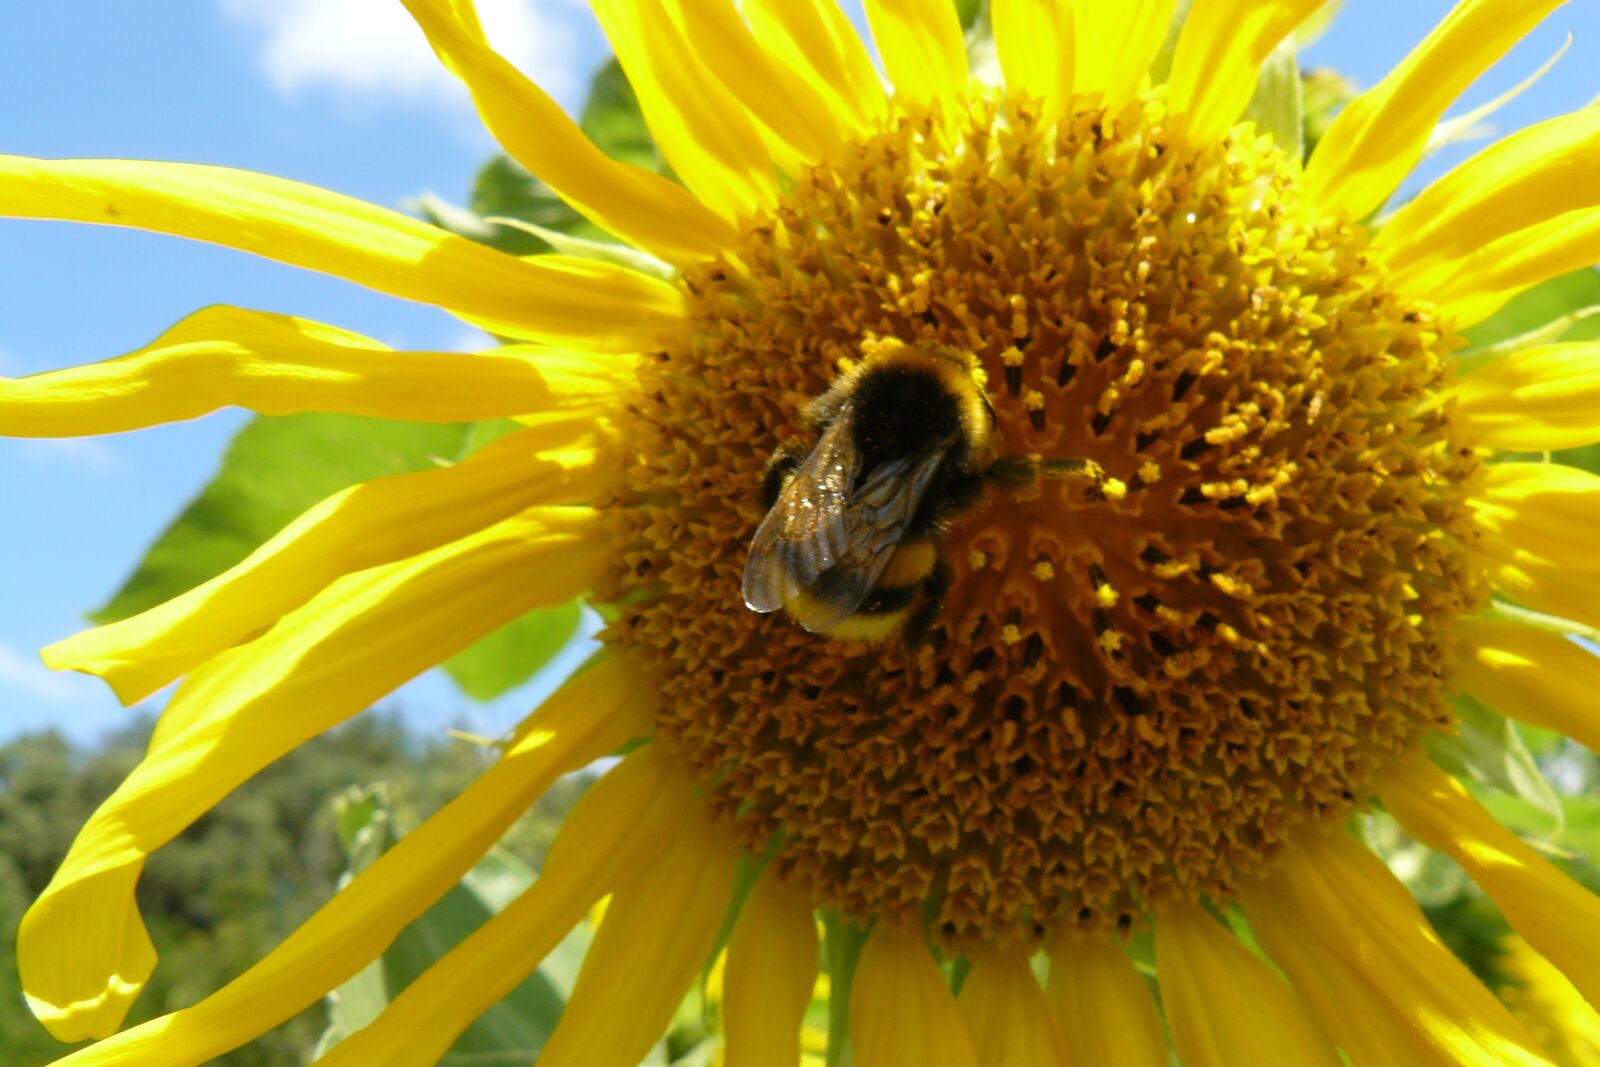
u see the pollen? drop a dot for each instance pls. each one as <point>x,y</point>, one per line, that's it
<point>1135,688</point>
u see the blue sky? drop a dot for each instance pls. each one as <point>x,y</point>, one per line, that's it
<point>343,94</point>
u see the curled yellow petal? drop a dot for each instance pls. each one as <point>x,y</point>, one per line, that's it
<point>702,131</point>
<point>1475,287</point>
<point>922,47</point>
<point>618,829</point>
<point>1035,41</point>
<point>1553,913</point>
<point>1008,1017</point>
<point>1376,977</point>
<point>816,40</point>
<point>589,717</point>
<point>1116,44</point>
<point>1225,1004</point>
<point>1102,1006</point>
<point>1528,178</point>
<point>367,525</point>
<point>658,932</point>
<point>1381,134</point>
<point>1220,51</point>
<point>771,970</point>
<point>1546,509</point>
<point>279,365</point>
<point>554,299</point>
<point>362,637</point>
<point>644,209</point>
<point>902,1014</point>
<point>1542,678</point>
<point>1535,400</point>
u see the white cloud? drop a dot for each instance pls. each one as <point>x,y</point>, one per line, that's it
<point>27,675</point>
<point>85,452</point>
<point>371,48</point>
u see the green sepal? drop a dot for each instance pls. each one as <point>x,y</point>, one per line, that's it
<point>842,945</point>
<point>1488,750</point>
<point>512,1030</point>
<point>1278,105</point>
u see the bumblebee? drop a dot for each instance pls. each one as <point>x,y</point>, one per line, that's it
<point>896,448</point>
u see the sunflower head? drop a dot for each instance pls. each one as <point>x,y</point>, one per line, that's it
<point>1128,696</point>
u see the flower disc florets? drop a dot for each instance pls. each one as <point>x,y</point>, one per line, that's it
<point>1130,695</point>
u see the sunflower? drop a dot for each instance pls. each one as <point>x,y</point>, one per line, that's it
<point>1153,703</point>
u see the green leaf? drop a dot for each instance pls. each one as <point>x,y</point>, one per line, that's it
<point>275,468</point>
<point>1278,106</point>
<point>614,122</point>
<point>1541,305</point>
<point>1489,750</point>
<point>969,11</point>
<point>514,653</point>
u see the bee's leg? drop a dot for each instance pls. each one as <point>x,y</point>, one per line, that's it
<point>1019,474</point>
<point>922,618</point>
<point>776,476</point>
<point>1013,473</point>
<point>1078,470</point>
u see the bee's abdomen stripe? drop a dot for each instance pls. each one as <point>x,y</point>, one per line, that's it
<point>888,601</point>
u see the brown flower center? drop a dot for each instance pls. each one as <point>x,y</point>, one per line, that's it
<point>1128,696</point>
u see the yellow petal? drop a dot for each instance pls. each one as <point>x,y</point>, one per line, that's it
<point>1539,677</point>
<point>1546,586</point>
<point>549,298</point>
<point>922,47</point>
<point>658,933</point>
<point>590,716</point>
<point>1102,1006</point>
<point>1528,178</point>
<point>367,525</point>
<point>1474,288</point>
<point>618,829</point>
<point>902,1014</point>
<point>362,637</point>
<point>771,970</point>
<point>1116,43</point>
<point>1539,399</point>
<point>776,96</point>
<point>816,40</point>
<point>644,209</point>
<point>279,365</point>
<point>1377,978</point>
<point>1546,509</point>
<point>1226,1006</point>
<point>703,132</point>
<point>1553,913</point>
<point>1034,39</point>
<point>1220,52</point>
<point>1008,1017</point>
<point>1381,134</point>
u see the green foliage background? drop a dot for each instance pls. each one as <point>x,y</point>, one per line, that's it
<point>231,887</point>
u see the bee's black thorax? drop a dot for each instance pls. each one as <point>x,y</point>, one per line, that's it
<point>901,411</point>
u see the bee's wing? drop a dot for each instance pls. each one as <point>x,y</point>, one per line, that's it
<point>805,532</point>
<point>876,517</point>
